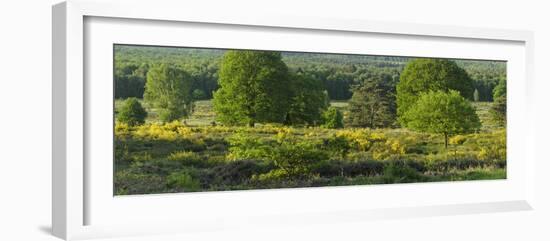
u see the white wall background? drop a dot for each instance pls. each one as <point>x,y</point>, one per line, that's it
<point>25,118</point>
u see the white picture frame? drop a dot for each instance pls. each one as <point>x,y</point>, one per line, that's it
<point>78,196</point>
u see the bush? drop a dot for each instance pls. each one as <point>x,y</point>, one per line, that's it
<point>399,173</point>
<point>297,158</point>
<point>339,146</point>
<point>186,158</point>
<point>183,181</point>
<point>333,118</point>
<point>273,175</point>
<point>131,112</point>
<point>244,146</point>
<point>458,140</point>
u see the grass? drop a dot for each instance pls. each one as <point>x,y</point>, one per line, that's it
<point>483,111</point>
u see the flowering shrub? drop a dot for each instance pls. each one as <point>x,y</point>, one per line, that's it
<point>176,157</point>
<point>169,131</point>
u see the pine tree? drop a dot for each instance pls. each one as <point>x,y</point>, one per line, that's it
<point>373,103</point>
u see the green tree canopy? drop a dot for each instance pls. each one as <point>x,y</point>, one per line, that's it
<point>426,74</point>
<point>169,89</point>
<point>373,103</point>
<point>254,87</point>
<point>129,80</point>
<point>500,89</point>
<point>131,112</point>
<point>446,113</point>
<point>309,100</point>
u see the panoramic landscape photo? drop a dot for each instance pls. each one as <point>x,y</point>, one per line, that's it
<point>197,119</point>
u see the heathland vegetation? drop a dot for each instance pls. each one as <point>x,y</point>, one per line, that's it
<point>208,120</point>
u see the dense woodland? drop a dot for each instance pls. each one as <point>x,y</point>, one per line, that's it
<point>337,72</point>
<point>208,120</point>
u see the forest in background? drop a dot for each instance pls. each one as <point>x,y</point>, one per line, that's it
<point>338,72</point>
<point>211,120</point>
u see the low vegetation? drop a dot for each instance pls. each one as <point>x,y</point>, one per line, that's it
<point>175,157</point>
<point>213,120</point>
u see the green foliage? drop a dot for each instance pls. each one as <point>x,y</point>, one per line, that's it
<point>498,110</point>
<point>296,159</point>
<point>485,74</point>
<point>186,158</point>
<point>309,100</point>
<point>183,181</point>
<point>129,80</point>
<point>198,94</point>
<point>169,89</point>
<point>337,72</point>
<point>217,149</point>
<point>333,118</point>
<point>254,87</point>
<point>500,89</point>
<point>131,112</point>
<point>269,156</point>
<point>425,74</point>
<point>338,145</point>
<point>399,173</point>
<point>247,147</point>
<point>443,113</point>
<point>373,103</point>
<point>275,175</point>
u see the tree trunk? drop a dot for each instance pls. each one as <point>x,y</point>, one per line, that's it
<point>446,140</point>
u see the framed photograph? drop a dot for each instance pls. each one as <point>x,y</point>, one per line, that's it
<point>176,121</point>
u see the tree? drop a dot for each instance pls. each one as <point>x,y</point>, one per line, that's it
<point>309,100</point>
<point>168,88</point>
<point>446,113</point>
<point>131,112</point>
<point>333,118</point>
<point>498,108</point>
<point>129,80</point>
<point>425,74</point>
<point>500,89</point>
<point>373,103</point>
<point>254,87</point>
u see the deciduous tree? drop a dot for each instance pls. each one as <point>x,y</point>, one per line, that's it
<point>333,118</point>
<point>254,87</point>
<point>131,112</point>
<point>425,74</point>
<point>498,108</point>
<point>168,88</point>
<point>446,113</point>
<point>309,100</point>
